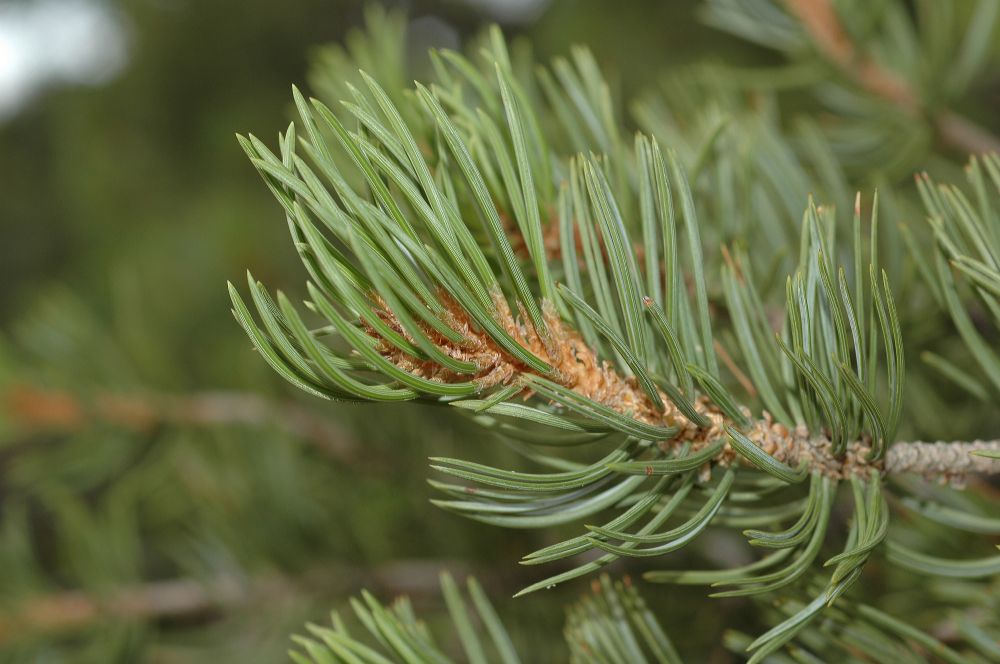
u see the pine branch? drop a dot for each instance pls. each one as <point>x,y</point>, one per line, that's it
<point>34,409</point>
<point>944,460</point>
<point>821,21</point>
<point>75,610</point>
<point>427,232</point>
<point>577,367</point>
<point>612,623</point>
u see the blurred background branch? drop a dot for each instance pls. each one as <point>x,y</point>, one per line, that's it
<point>821,20</point>
<point>33,409</point>
<point>193,599</point>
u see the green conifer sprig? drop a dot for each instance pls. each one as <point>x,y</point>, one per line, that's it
<point>490,243</point>
<point>611,623</point>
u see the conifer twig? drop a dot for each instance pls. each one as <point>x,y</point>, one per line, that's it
<point>578,367</point>
<point>72,610</point>
<point>54,410</point>
<point>820,20</point>
<point>941,459</point>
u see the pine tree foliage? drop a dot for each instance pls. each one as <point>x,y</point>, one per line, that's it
<point>612,624</point>
<point>966,229</point>
<point>122,499</point>
<point>615,311</point>
<point>890,74</point>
